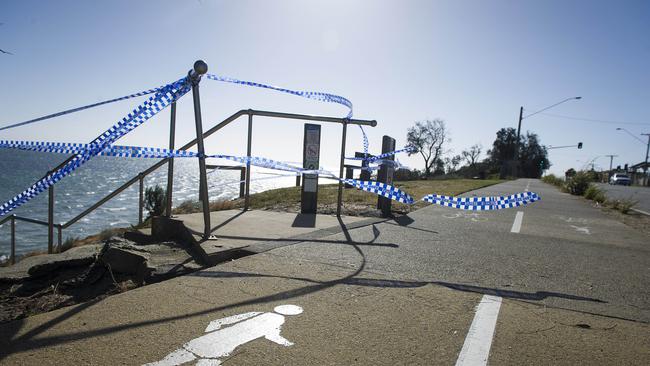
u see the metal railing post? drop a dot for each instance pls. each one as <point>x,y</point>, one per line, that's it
<point>141,198</point>
<point>199,69</point>
<point>60,236</point>
<point>340,197</point>
<point>50,220</point>
<point>248,163</point>
<point>170,163</point>
<point>12,259</point>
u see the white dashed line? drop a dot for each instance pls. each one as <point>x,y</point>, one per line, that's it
<point>527,186</point>
<point>516,226</point>
<point>476,348</point>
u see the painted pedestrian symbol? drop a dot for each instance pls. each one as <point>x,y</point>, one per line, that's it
<point>219,343</point>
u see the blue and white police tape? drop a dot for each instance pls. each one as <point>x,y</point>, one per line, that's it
<point>162,98</point>
<point>320,96</point>
<point>78,109</point>
<point>381,189</point>
<point>483,203</point>
<point>383,156</point>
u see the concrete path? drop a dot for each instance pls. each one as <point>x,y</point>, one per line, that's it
<point>567,285</point>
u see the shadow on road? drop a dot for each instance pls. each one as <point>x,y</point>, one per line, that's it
<point>32,340</point>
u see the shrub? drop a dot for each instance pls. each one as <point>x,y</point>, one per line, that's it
<point>187,207</point>
<point>624,206</point>
<point>578,184</point>
<point>405,174</point>
<point>596,194</point>
<point>552,179</point>
<point>154,200</point>
<point>68,243</point>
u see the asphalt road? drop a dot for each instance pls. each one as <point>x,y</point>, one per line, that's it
<point>556,282</point>
<point>633,193</point>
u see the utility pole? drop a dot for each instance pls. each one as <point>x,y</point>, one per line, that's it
<point>611,160</point>
<point>521,117</point>
<point>645,167</point>
<point>516,157</point>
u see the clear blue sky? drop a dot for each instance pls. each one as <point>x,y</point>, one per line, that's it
<point>471,63</point>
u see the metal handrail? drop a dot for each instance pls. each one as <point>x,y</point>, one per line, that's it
<point>140,177</point>
<point>207,134</point>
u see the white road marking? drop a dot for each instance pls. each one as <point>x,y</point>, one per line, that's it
<point>476,349</point>
<point>581,229</point>
<point>220,342</point>
<point>527,186</point>
<point>516,226</point>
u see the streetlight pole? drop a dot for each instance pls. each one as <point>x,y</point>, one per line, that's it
<point>521,117</point>
<point>647,150</point>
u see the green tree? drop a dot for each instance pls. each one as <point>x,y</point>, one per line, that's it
<point>154,200</point>
<point>531,155</point>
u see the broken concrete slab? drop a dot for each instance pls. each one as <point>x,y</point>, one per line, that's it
<point>40,265</point>
<point>149,262</point>
<point>124,257</point>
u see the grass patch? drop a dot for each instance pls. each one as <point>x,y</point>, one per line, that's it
<point>355,202</point>
<point>288,199</point>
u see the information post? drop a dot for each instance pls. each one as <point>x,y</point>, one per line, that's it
<point>310,159</point>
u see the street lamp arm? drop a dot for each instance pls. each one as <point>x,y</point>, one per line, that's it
<point>550,147</point>
<point>631,134</point>
<point>551,106</point>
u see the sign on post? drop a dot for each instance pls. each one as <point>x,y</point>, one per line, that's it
<point>385,174</point>
<point>310,159</point>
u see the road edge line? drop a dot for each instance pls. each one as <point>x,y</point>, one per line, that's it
<point>476,349</point>
<point>516,225</point>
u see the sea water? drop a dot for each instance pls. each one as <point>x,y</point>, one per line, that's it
<point>94,181</point>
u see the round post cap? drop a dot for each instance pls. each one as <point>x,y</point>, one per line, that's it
<point>200,67</point>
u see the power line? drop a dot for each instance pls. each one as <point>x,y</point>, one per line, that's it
<point>596,120</point>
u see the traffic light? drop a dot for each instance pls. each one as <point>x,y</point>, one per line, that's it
<point>579,145</point>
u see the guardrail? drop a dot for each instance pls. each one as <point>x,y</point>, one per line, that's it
<point>170,164</point>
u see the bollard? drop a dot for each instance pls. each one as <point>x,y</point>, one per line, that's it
<point>242,182</point>
<point>365,174</point>
<point>349,174</point>
<point>385,174</point>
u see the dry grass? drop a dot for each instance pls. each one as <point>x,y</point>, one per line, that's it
<point>355,202</point>
<point>288,199</point>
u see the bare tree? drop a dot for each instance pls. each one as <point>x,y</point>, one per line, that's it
<point>452,163</point>
<point>428,137</point>
<point>472,154</point>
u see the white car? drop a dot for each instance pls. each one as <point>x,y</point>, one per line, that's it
<point>619,178</point>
